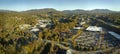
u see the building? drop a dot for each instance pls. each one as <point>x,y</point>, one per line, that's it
<point>43,23</point>
<point>78,28</point>
<point>24,26</point>
<point>69,52</point>
<point>34,30</point>
<point>94,28</point>
<point>82,23</point>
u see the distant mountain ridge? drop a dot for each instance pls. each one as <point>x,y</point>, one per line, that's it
<point>7,11</point>
<point>45,9</point>
<point>101,10</point>
<point>90,11</point>
<point>65,11</point>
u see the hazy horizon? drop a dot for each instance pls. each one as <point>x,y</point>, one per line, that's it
<point>23,5</point>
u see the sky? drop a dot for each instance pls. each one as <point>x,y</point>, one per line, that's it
<point>22,5</point>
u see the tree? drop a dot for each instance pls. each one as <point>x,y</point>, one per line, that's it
<point>40,35</point>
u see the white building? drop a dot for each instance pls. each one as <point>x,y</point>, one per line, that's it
<point>69,52</point>
<point>24,26</point>
<point>82,23</point>
<point>43,23</point>
<point>78,28</point>
<point>94,28</point>
<point>34,30</point>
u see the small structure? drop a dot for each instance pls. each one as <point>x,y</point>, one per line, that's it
<point>78,28</point>
<point>94,28</point>
<point>82,23</point>
<point>43,23</point>
<point>24,26</point>
<point>69,52</point>
<point>34,30</point>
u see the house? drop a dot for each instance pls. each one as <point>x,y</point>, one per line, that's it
<point>43,23</point>
<point>94,28</point>
<point>24,26</point>
<point>69,52</point>
<point>82,23</point>
<point>77,28</point>
<point>34,30</point>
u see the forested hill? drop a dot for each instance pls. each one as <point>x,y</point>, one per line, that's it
<point>106,14</point>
